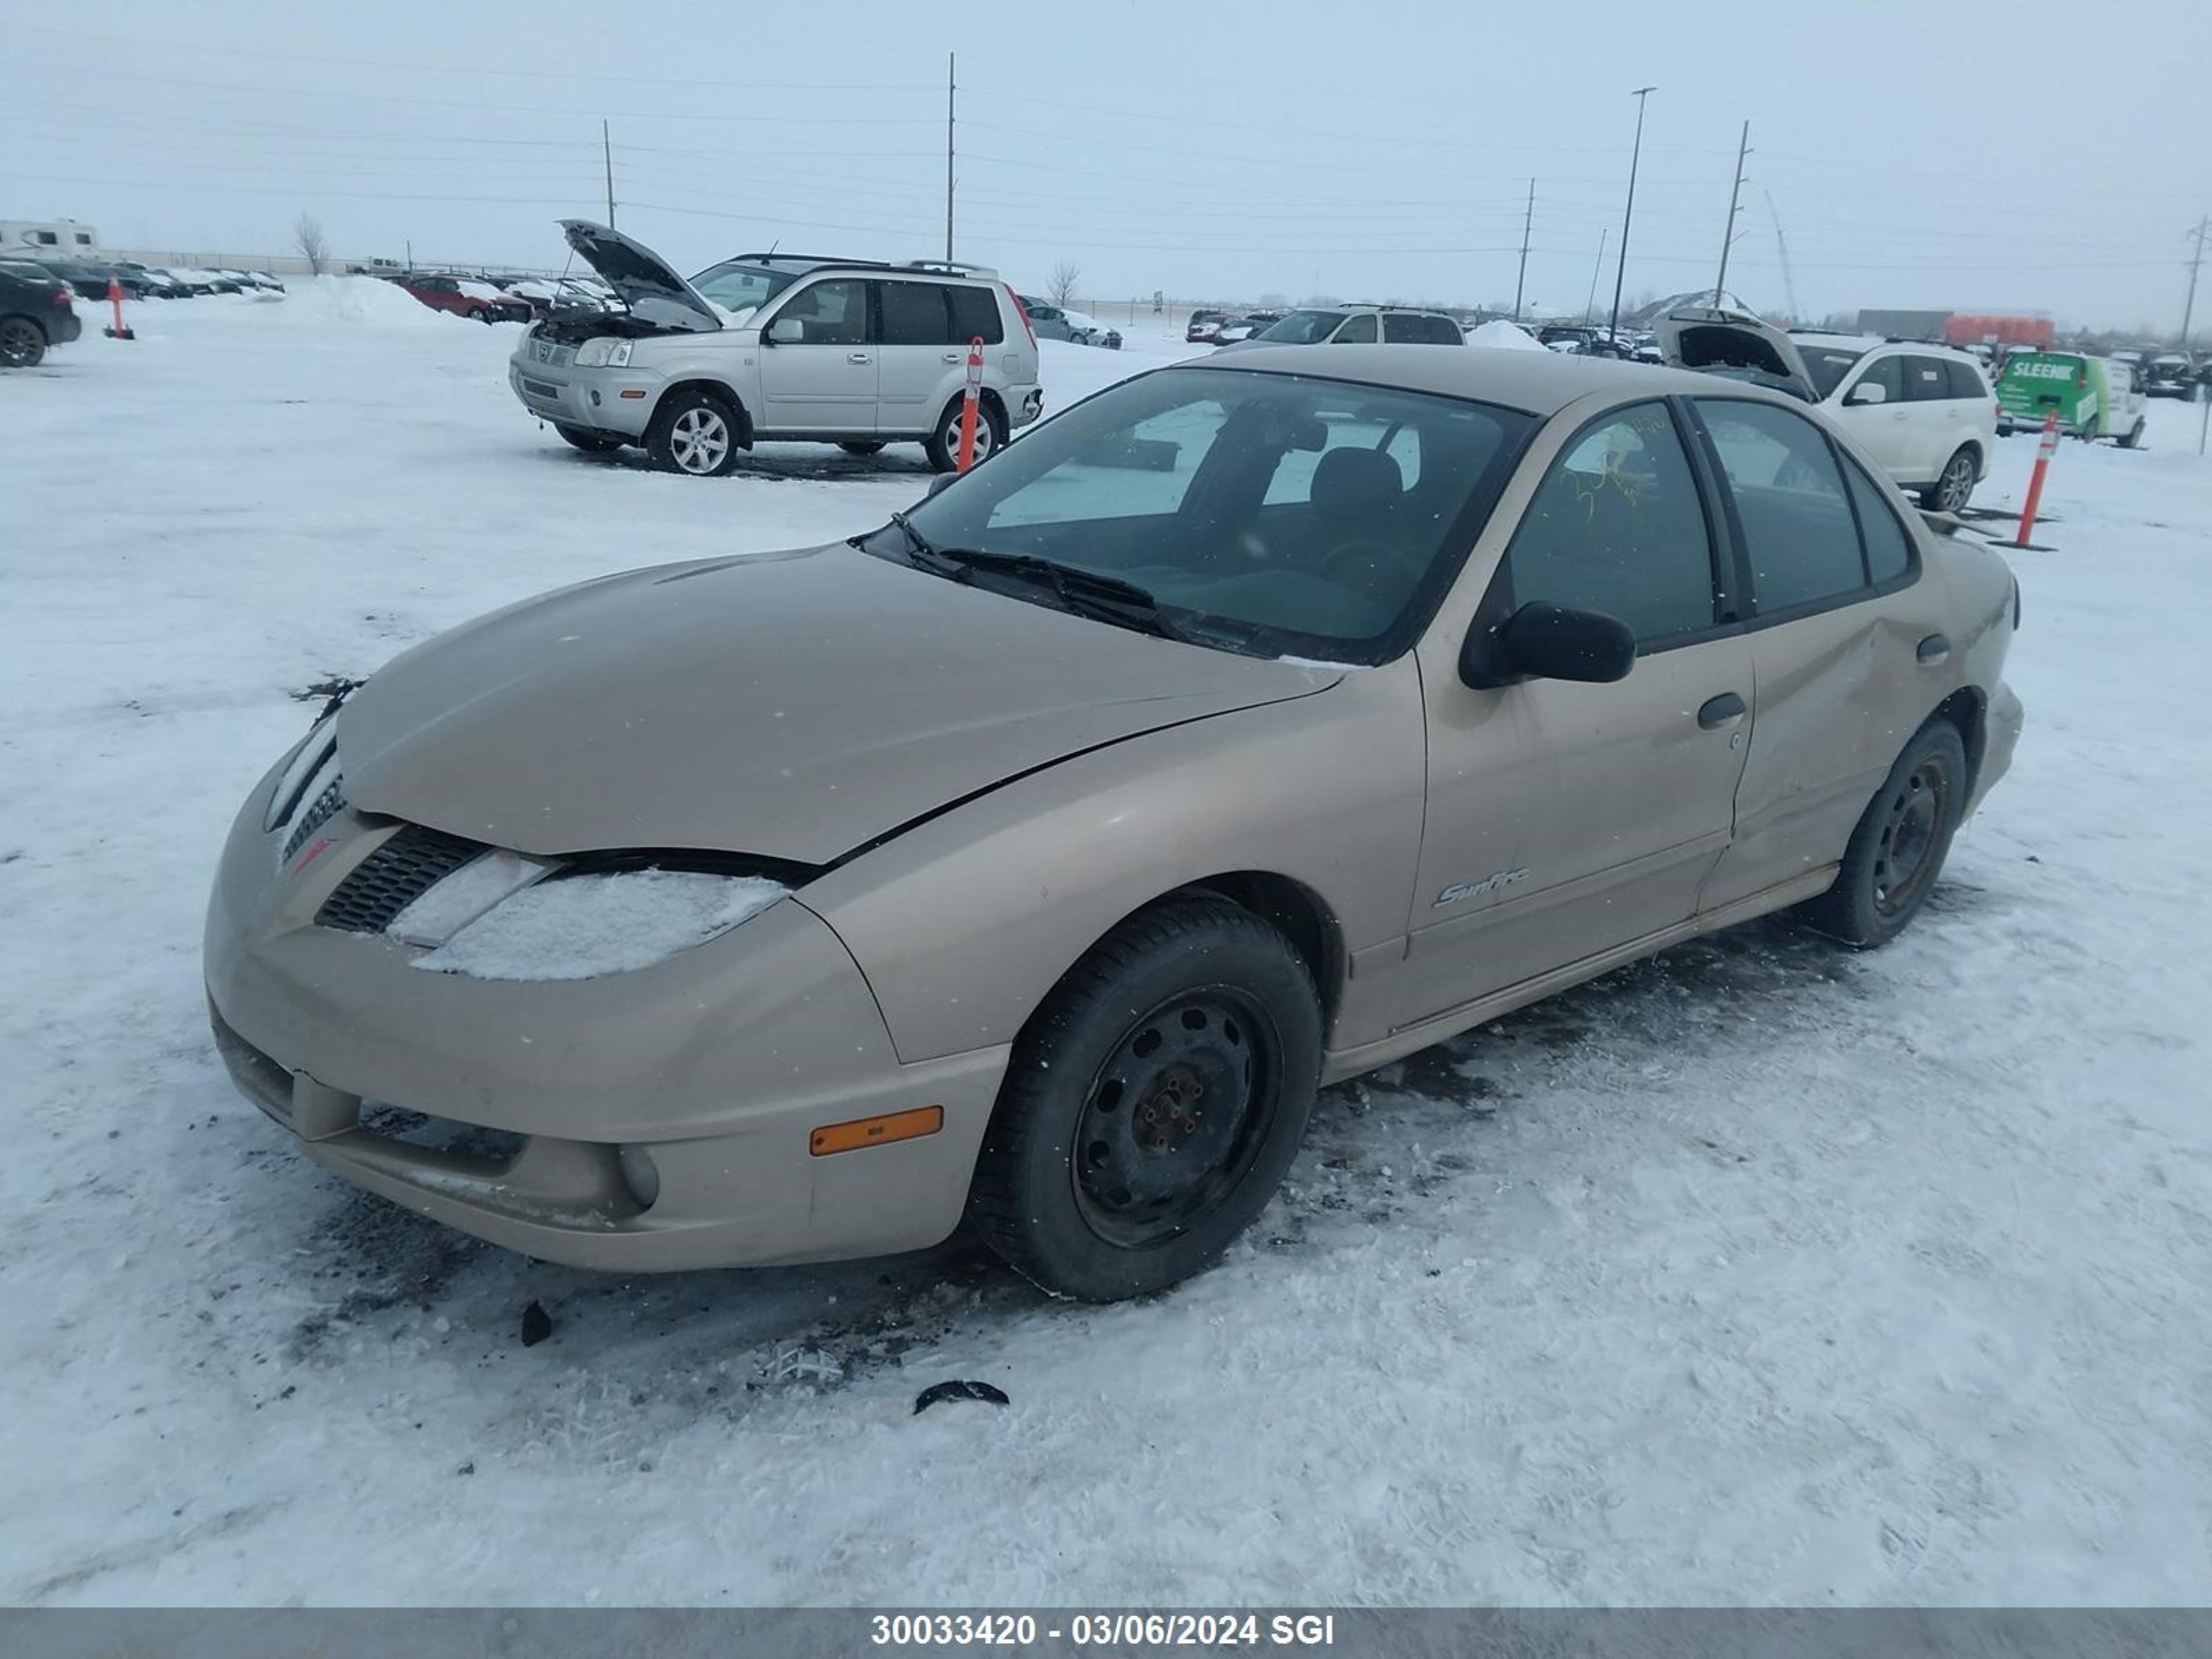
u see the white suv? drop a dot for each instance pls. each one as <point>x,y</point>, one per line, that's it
<point>1925,413</point>
<point>770,346</point>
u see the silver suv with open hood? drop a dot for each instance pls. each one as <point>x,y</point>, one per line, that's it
<point>775,346</point>
<point>1925,413</point>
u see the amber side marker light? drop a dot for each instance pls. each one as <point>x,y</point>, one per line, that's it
<point>875,1131</point>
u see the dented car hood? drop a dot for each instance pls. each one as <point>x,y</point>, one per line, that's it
<point>795,705</point>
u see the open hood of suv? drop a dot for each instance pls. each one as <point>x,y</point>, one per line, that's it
<point>641,278</point>
<point>1734,344</point>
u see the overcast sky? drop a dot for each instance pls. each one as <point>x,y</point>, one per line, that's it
<point>2031,156</point>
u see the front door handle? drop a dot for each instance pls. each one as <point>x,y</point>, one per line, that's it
<point>1933,649</point>
<point>1726,710</point>
<point>857,357</point>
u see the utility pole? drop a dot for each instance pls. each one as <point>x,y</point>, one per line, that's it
<point>1590,305</point>
<point>1788,284</point>
<point>1621,273</point>
<point>1736,195</point>
<point>951,89</point>
<point>2189,305</point>
<point>1521,281</point>
<point>607,154</point>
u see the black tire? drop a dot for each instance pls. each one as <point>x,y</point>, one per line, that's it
<point>478,314</point>
<point>1954,486</point>
<point>944,441</point>
<point>1896,853</point>
<point>694,433</point>
<point>1100,1177</point>
<point>862,446</point>
<point>591,443</point>
<point>2134,439</point>
<point>22,343</point>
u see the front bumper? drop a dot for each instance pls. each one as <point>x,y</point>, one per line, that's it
<point>619,401</point>
<point>710,1070</point>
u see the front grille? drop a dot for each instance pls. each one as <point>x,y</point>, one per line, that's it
<point>393,876</point>
<point>320,810</point>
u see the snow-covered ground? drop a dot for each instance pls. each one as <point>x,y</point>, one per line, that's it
<point>1758,1272</point>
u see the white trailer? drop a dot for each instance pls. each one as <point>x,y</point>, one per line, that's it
<point>51,239</point>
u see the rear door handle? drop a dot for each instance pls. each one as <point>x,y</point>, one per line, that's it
<point>1726,710</point>
<point>857,357</point>
<point>1933,649</point>
<point>955,357</point>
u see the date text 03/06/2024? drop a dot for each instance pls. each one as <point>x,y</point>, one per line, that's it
<point>1019,1630</point>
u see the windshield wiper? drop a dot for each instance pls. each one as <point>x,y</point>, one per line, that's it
<point>1084,593</point>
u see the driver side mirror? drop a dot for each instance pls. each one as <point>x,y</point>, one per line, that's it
<point>787,331</point>
<point>1867,392</point>
<point>1545,641</point>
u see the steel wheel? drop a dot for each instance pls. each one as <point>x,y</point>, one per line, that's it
<point>1911,817</point>
<point>699,440</point>
<point>22,342</point>
<point>1172,1121</point>
<point>1956,486</point>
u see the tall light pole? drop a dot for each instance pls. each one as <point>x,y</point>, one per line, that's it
<point>951,92</point>
<point>1590,303</point>
<point>2189,305</point>
<point>1620,272</point>
<point>1521,281</point>
<point>1728,236</point>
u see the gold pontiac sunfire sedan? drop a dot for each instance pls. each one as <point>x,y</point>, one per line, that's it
<point>1034,858</point>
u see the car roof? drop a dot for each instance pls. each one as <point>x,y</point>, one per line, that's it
<point>1536,383</point>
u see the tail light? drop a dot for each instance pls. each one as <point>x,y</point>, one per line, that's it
<point>1022,312</point>
<point>62,295</point>
<point>2081,379</point>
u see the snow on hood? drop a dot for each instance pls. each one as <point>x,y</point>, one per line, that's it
<point>583,926</point>
<point>791,706</point>
<point>1504,336</point>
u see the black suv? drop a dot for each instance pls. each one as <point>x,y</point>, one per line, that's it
<point>35,312</point>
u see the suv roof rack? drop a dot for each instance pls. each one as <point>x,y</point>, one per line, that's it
<point>816,261</point>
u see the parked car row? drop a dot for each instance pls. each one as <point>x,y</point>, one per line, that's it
<point>1052,322</point>
<point>90,278</point>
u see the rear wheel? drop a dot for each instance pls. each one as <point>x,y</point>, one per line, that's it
<point>862,446</point>
<point>22,343</point>
<point>2134,439</point>
<point>1897,850</point>
<point>594,443</point>
<point>943,443</point>
<point>1153,1104</point>
<point>694,433</point>
<point>1954,487</point>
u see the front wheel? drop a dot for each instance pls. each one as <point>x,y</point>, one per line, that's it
<point>1954,487</point>
<point>1153,1104</point>
<point>1897,849</point>
<point>943,443</point>
<point>693,433</point>
<point>22,343</point>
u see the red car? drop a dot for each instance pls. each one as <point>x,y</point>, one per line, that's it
<point>479,302</point>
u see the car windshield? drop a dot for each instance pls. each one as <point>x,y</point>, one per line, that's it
<point>1304,327</point>
<point>1828,364</point>
<point>1273,514</point>
<point>736,287</point>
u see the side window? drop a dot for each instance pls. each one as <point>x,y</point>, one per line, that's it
<point>1927,380</point>
<point>45,238</point>
<point>1412,328</point>
<point>1356,331</point>
<point>976,311</point>
<point>1798,523</point>
<point>1966,381</point>
<point>1888,373</point>
<point>84,238</point>
<point>1889,555</point>
<point>1617,527</point>
<point>914,314</point>
<point>835,312</point>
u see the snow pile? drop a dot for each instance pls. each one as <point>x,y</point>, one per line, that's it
<point>586,925</point>
<point>354,302</point>
<point>1502,335</point>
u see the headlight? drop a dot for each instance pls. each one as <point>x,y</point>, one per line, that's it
<point>603,351</point>
<point>510,924</point>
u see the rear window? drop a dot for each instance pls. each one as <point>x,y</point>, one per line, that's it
<point>916,314</point>
<point>1927,380</point>
<point>975,312</point>
<point>1966,381</point>
<point>1411,328</point>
